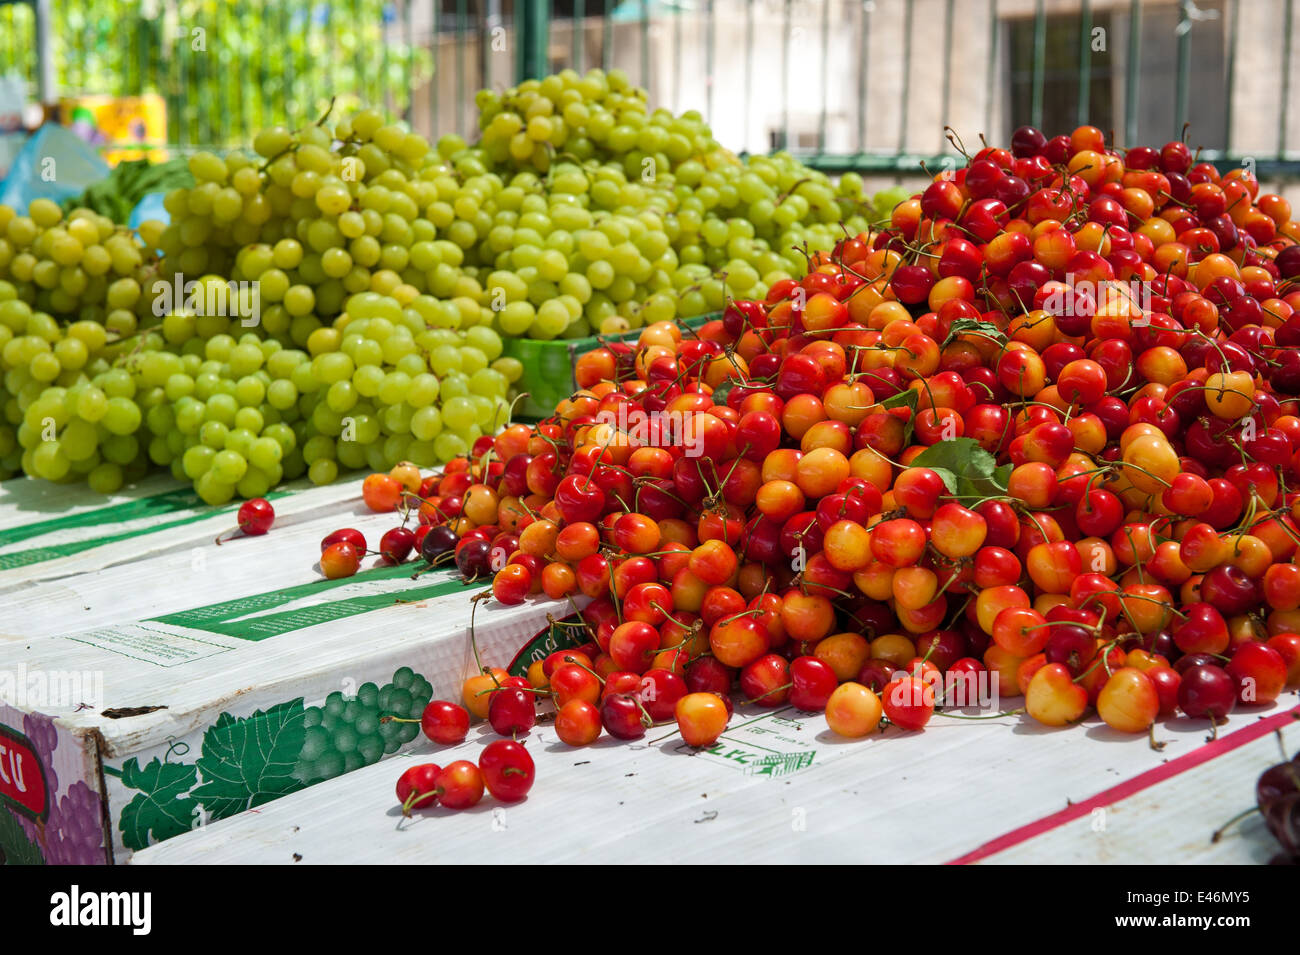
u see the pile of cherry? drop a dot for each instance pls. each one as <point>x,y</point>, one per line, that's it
<point>1042,428</point>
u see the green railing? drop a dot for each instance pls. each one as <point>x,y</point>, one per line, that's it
<point>866,85</point>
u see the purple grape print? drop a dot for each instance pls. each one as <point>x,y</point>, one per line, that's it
<point>72,833</point>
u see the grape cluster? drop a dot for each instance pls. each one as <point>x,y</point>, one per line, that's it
<point>84,265</point>
<point>345,734</point>
<point>73,832</point>
<point>338,298</point>
<point>627,216</point>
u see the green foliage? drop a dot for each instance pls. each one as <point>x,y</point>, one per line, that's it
<point>968,471</point>
<point>15,847</point>
<point>226,67</point>
<point>249,761</point>
<point>976,326</point>
<point>164,806</point>
<point>128,183</point>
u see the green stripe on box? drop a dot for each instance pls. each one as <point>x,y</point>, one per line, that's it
<point>227,618</point>
<point>154,506</point>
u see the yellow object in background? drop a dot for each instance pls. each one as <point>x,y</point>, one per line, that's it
<point>122,127</point>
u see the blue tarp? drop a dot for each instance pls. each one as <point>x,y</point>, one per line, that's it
<point>54,163</point>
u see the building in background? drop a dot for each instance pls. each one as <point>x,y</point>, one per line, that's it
<point>866,83</point>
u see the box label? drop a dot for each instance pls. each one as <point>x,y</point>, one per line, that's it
<point>22,781</point>
<point>162,648</point>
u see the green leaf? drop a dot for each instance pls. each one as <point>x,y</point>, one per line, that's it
<point>15,847</point>
<point>975,473</point>
<point>164,807</point>
<point>907,398</point>
<point>978,325</point>
<point>250,760</point>
<point>129,182</point>
<point>949,479</point>
<point>1002,476</point>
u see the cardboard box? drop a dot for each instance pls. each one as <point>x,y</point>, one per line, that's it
<point>150,696</point>
<point>49,531</point>
<point>780,787</point>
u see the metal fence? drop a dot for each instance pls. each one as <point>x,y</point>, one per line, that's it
<point>849,84</point>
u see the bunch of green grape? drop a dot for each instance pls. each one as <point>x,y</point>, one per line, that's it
<point>339,297</point>
<point>85,266</point>
<point>241,415</point>
<point>634,215</point>
<point>60,382</point>
<point>345,734</point>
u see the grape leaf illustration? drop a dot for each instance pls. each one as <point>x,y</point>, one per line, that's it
<point>250,760</point>
<point>15,847</point>
<point>163,807</point>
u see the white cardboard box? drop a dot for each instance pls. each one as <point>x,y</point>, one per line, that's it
<point>181,688</point>
<point>50,531</point>
<point>779,788</point>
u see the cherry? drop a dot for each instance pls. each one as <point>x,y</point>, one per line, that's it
<point>1202,630</point>
<point>445,722</point>
<point>709,675</point>
<point>766,681</point>
<point>909,702</point>
<point>876,674</point>
<point>623,716</point>
<point>437,541</point>
<point>396,544</point>
<point>579,498</point>
<point>853,710</point>
<point>255,516</point>
<point>577,723</point>
<point>1259,671</point>
<point>701,718</point>
<point>659,692</point>
<point>417,787</point>
<point>507,770</point>
<point>1207,691</point>
<point>340,560</point>
<point>1071,646</point>
<point>473,559</point>
<point>813,682</point>
<point>460,785</point>
<point>512,712</point>
<point>1229,589</point>
<point>348,535</point>
<point>1053,698</point>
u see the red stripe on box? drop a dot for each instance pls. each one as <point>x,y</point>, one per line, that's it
<point>1224,744</point>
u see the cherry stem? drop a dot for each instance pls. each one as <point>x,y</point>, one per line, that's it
<point>416,798</point>
<point>775,689</point>
<point>1245,813</point>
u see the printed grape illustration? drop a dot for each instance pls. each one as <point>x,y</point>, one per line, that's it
<point>72,833</point>
<point>345,734</point>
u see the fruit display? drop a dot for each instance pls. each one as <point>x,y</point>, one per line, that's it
<point>339,299</point>
<point>1041,432</point>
